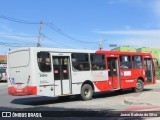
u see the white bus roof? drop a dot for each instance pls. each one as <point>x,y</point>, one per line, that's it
<point>53,49</point>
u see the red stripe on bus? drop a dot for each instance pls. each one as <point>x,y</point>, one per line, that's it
<point>102,85</point>
<point>28,90</point>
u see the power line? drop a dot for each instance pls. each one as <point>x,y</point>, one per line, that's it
<point>16,35</point>
<point>50,25</point>
<point>54,28</point>
<point>16,45</point>
<point>55,40</point>
<point>8,43</point>
<point>11,44</point>
<point>18,20</point>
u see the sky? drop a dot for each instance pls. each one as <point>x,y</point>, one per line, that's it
<point>79,24</point>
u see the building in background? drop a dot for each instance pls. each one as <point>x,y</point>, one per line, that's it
<point>154,51</point>
<point>3,67</point>
<point>125,49</point>
<point>3,59</point>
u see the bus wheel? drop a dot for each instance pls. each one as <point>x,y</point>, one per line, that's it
<point>86,92</point>
<point>139,86</point>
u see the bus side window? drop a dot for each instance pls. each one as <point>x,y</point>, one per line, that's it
<point>137,62</point>
<point>80,62</point>
<point>44,61</point>
<point>125,62</point>
<point>98,62</point>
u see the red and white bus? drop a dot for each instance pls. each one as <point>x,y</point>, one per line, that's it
<point>60,72</point>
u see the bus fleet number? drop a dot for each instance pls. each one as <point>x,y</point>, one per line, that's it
<point>43,75</point>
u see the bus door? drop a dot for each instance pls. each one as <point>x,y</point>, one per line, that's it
<point>148,69</point>
<point>61,71</point>
<point>113,71</point>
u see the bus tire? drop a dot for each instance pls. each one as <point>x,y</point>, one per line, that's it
<point>86,92</point>
<point>139,86</point>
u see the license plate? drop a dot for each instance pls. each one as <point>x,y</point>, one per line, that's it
<point>19,90</point>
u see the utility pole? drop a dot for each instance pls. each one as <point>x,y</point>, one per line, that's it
<point>39,36</point>
<point>100,45</point>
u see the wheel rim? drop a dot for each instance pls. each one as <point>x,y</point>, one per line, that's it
<point>87,92</point>
<point>139,86</point>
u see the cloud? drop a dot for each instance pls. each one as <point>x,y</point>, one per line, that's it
<point>154,10</point>
<point>135,42</point>
<point>4,27</point>
<point>110,2</point>
<point>139,42</point>
<point>128,2</point>
<point>155,7</point>
<point>53,42</point>
<point>153,33</point>
<point>18,39</point>
<point>127,27</point>
<point>23,39</point>
<point>135,38</point>
<point>8,35</point>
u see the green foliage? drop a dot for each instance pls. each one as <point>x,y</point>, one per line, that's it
<point>2,61</point>
<point>158,72</point>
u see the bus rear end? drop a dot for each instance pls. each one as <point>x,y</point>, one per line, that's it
<point>19,73</point>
